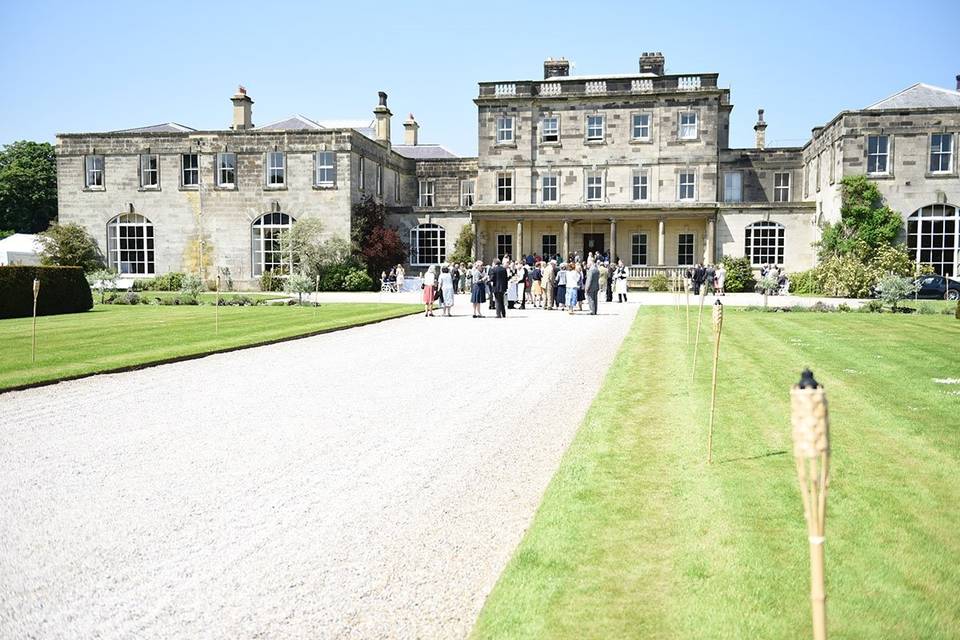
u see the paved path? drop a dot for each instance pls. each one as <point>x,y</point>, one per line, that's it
<point>362,484</point>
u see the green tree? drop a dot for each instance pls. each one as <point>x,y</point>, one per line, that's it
<point>28,186</point>
<point>463,249</point>
<point>864,220</point>
<point>69,245</point>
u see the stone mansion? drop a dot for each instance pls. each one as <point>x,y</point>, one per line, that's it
<point>638,165</point>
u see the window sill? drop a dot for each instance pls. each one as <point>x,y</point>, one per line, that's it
<point>594,142</point>
<point>688,140</point>
<point>324,187</point>
<point>224,187</point>
<point>148,189</point>
<point>556,144</point>
<point>641,140</point>
<point>275,188</point>
<point>879,176</point>
<point>505,145</point>
<point>189,187</point>
<point>936,175</point>
<point>94,189</point>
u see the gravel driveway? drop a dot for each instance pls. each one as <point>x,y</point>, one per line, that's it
<point>362,484</point>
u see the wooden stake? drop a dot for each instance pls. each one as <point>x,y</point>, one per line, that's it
<point>686,288</point>
<point>696,346</point>
<point>811,450</point>
<point>36,293</point>
<point>717,328</point>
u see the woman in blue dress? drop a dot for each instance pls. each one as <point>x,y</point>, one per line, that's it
<point>478,291</point>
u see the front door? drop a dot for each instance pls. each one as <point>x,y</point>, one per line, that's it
<point>592,242</point>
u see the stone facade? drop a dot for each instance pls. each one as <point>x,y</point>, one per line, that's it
<point>634,165</point>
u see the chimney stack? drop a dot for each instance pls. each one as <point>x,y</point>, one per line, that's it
<point>761,129</point>
<point>652,62</point>
<point>410,131</point>
<point>958,83</point>
<point>242,110</point>
<point>555,68</point>
<point>382,114</point>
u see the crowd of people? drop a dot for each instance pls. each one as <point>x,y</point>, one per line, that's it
<point>711,277</point>
<point>554,284</point>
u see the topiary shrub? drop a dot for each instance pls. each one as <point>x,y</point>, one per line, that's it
<point>358,280</point>
<point>739,276</point>
<point>62,290</point>
<point>299,284</point>
<point>659,282</point>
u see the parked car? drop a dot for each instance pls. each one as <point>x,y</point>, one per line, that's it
<point>938,288</point>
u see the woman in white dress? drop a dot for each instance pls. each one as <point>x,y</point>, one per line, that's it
<point>721,277</point>
<point>400,276</point>
<point>620,282</point>
<point>446,290</point>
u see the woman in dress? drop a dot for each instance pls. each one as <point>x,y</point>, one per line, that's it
<point>573,286</point>
<point>721,278</point>
<point>447,290</point>
<point>399,274</point>
<point>620,280</point>
<point>429,284</point>
<point>512,286</point>
<point>582,287</point>
<point>478,291</point>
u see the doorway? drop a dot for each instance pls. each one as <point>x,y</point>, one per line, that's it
<point>592,242</point>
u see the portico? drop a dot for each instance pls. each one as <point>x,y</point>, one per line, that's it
<point>650,241</point>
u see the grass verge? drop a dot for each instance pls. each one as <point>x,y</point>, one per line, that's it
<point>114,337</point>
<point>637,537</point>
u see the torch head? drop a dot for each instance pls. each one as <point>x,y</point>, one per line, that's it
<point>36,287</point>
<point>717,315</point>
<point>811,422</point>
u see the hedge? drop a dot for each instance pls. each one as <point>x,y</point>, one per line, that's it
<point>62,290</point>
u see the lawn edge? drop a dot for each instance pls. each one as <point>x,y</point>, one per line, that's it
<point>195,356</point>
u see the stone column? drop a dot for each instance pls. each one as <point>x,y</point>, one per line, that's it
<point>661,242</point>
<point>613,238</point>
<point>476,240</point>
<point>566,239</point>
<point>519,249</point>
<point>710,249</point>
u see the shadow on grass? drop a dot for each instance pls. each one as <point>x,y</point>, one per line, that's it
<point>757,457</point>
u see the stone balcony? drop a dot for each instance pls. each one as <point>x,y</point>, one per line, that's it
<point>598,86</point>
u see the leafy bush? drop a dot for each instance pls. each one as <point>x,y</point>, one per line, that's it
<point>463,249</point>
<point>872,306</point>
<point>925,309</point>
<point>191,286</point>
<point>358,280</point>
<point>270,281</point>
<point>299,284</point>
<point>62,290</point>
<point>805,283</point>
<point>768,285</point>
<point>843,306</point>
<point>172,281</point>
<point>739,276</point>
<point>892,289</point>
<point>332,277</point>
<point>844,276</point>
<point>69,245</point>
<point>658,282</point>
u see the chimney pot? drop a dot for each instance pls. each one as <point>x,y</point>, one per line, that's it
<point>761,130</point>
<point>242,110</point>
<point>958,82</point>
<point>382,114</point>
<point>410,131</point>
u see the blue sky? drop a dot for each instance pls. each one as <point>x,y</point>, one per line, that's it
<point>81,66</point>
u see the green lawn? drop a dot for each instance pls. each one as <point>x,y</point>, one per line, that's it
<point>637,537</point>
<point>112,336</point>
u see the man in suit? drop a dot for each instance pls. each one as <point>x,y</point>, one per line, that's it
<point>592,286</point>
<point>498,282</point>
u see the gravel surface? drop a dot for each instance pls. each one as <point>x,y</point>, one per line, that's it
<point>367,483</point>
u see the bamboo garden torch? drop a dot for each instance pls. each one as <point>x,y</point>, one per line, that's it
<point>217,314</point>
<point>811,449</point>
<point>686,289</point>
<point>696,345</point>
<point>717,329</point>
<point>36,294</point>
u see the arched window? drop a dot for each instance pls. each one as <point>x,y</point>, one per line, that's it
<point>428,245</point>
<point>933,237</point>
<point>265,240</point>
<point>130,244</point>
<point>763,243</point>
